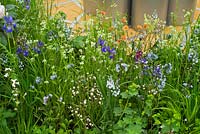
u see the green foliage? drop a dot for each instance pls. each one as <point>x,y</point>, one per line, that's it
<point>5,115</point>
<point>97,79</point>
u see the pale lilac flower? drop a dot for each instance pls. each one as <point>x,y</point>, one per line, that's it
<point>2,11</point>
<point>125,66</point>
<point>46,98</point>
<point>70,66</point>
<point>110,83</point>
<point>196,31</point>
<point>193,56</point>
<point>117,68</point>
<point>32,87</point>
<point>162,84</point>
<point>168,68</point>
<point>38,80</point>
<point>113,86</point>
<point>53,77</point>
<point>152,56</point>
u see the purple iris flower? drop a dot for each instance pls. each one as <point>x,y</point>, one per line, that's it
<point>112,52</point>
<point>157,71</point>
<point>40,44</point>
<point>8,19</point>
<point>152,56</point>
<point>9,24</point>
<point>144,61</point>
<point>104,49</point>
<point>25,53</point>
<point>27,4</point>
<point>111,56</point>
<point>19,50</point>
<point>101,42</point>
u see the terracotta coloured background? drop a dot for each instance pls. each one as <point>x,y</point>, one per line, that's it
<point>74,9</point>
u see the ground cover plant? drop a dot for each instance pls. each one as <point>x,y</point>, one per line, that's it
<point>96,79</point>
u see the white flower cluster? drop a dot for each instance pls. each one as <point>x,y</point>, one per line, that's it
<point>7,72</point>
<point>2,11</point>
<point>14,85</point>
<point>76,112</point>
<point>113,86</point>
<point>15,91</point>
<point>95,95</point>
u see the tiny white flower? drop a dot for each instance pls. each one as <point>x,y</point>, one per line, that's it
<point>60,99</point>
<point>45,99</point>
<point>32,87</point>
<point>15,95</point>
<point>17,103</point>
<point>85,102</point>
<point>8,69</point>
<point>14,83</point>
<point>71,50</point>
<point>82,63</point>
<point>6,75</point>
<point>50,95</point>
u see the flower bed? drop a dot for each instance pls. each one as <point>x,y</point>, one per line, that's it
<point>96,79</point>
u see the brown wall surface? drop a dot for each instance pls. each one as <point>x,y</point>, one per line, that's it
<point>74,9</point>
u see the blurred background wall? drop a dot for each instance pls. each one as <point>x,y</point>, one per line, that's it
<point>74,10</point>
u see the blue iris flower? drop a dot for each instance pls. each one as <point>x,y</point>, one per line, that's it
<point>9,24</point>
<point>101,42</point>
<point>104,49</point>
<point>112,52</point>
<point>40,44</point>
<point>19,50</point>
<point>157,71</point>
<point>144,61</point>
<point>25,53</point>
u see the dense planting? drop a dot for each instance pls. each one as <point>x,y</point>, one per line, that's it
<point>98,78</point>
